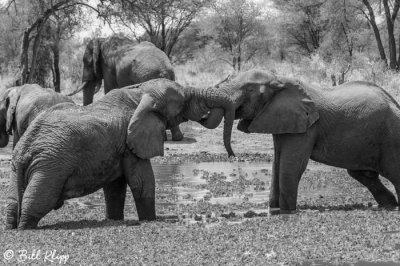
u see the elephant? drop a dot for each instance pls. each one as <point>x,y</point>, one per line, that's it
<point>69,150</point>
<point>122,62</point>
<point>355,126</point>
<point>19,106</point>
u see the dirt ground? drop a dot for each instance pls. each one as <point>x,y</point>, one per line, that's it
<point>337,224</point>
<point>200,139</point>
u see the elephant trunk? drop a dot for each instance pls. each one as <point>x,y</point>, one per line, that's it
<point>92,86</point>
<point>215,103</point>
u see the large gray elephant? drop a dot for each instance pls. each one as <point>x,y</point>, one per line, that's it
<point>70,151</point>
<point>121,62</point>
<point>20,105</point>
<point>355,126</point>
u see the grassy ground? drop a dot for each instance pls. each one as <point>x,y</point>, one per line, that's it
<point>337,226</point>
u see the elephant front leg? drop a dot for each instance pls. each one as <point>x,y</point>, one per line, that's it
<point>294,151</point>
<point>140,178</point>
<point>114,194</point>
<point>274,188</point>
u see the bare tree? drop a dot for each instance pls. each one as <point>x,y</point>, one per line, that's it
<point>391,10</point>
<point>163,21</point>
<point>37,16</point>
<point>236,25</point>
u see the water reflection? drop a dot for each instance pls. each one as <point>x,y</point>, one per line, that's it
<point>193,182</point>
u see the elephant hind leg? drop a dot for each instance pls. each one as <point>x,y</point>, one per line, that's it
<point>11,215</point>
<point>370,179</point>
<point>114,194</point>
<point>40,197</point>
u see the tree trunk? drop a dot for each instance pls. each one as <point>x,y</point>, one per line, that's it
<point>56,59</point>
<point>391,39</point>
<point>239,58</point>
<point>24,62</point>
<point>35,48</point>
<point>56,66</point>
<point>372,21</point>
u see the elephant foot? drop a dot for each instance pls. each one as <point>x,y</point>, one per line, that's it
<point>274,211</point>
<point>386,200</point>
<point>28,222</point>
<point>177,137</point>
<point>59,204</point>
<point>176,133</point>
<point>274,203</point>
<point>287,211</point>
<point>118,216</point>
<point>10,227</point>
<point>146,209</point>
<point>277,211</point>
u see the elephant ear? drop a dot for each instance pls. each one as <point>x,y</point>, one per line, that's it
<point>96,59</point>
<point>12,100</point>
<point>145,136</point>
<point>290,110</point>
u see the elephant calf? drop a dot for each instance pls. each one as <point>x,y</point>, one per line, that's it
<point>356,126</point>
<point>71,151</point>
<point>20,105</point>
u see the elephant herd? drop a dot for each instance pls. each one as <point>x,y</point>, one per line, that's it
<point>63,150</point>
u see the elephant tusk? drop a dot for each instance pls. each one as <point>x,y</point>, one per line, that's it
<point>79,89</point>
<point>206,115</point>
<point>97,89</point>
<point>263,89</point>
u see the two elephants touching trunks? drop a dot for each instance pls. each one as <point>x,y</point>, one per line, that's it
<point>354,126</point>
<point>70,151</point>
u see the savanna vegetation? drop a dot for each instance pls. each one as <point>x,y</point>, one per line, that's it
<point>322,42</point>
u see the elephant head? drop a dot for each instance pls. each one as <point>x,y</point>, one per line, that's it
<point>92,73</point>
<point>230,100</point>
<point>8,104</point>
<point>158,107</point>
<point>286,107</point>
<point>120,62</point>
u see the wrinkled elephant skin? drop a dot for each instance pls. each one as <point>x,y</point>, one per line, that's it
<point>20,105</point>
<point>355,126</point>
<point>128,124</point>
<point>121,62</point>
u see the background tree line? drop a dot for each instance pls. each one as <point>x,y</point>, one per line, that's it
<point>43,40</point>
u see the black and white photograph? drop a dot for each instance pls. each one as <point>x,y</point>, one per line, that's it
<point>200,132</point>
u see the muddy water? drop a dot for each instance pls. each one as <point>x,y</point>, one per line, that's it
<point>217,182</point>
<point>189,182</point>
